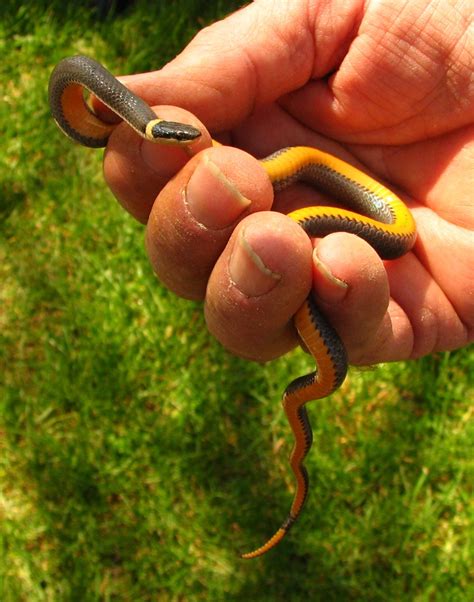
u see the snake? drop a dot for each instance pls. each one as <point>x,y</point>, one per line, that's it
<point>371,211</point>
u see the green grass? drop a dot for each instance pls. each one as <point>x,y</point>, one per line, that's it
<point>137,456</point>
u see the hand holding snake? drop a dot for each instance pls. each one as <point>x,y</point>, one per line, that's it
<point>224,254</point>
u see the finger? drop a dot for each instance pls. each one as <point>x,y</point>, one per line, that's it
<point>250,59</point>
<point>435,323</point>
<point>402,72</point>
<point>136,170</point>
<point>196,212</point>
<point>446,251</point>
<point>259,282</point>
<point>351,286</point>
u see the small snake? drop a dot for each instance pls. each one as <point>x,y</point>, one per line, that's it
<point>375,214</point>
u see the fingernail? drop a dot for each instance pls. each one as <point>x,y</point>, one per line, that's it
<point>212,199</point>
<point>247,270</point>
<point>329,287</point>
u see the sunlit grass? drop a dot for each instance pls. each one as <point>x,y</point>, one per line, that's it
<point>137,457</point>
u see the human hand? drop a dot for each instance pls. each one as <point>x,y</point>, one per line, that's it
<point>384,85</point>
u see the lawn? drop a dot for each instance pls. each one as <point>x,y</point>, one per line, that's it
<point>137,456</point>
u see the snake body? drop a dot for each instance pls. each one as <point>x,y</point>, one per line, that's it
<point>374,213</point>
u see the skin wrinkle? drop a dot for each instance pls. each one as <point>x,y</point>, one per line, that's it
<point>426,262</point>
<point>230,77</point>
<point>253,69</point>
<point>433,44</point>
<point>439,51</point>
<point>202,88</point>
<point>454,67</point>
<point>341,50</point>
<point>389,14</point>
<point>429,323</point>
<point>294,51</point>
<point>372,106</point>
<point>380,344</point>
<point>380,30</point>
<point>422,334</point>
<point>425,333</point>
<point>330,49</point>
<point>401,323</point>
<point>398,54</point>
<point>241,57</point>
<point>449,49</point>
<point>431,97</point>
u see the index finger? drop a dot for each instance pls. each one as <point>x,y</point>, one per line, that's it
<point>250,59</point>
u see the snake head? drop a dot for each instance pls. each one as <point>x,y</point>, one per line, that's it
<point>171,132</point>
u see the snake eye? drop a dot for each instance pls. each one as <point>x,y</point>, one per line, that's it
<point>172,132</point>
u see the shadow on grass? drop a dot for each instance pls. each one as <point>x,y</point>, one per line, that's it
<point>11,197</point>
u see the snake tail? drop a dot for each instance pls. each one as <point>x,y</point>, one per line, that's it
<point>323,342</point>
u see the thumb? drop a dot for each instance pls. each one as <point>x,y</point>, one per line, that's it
<point>249,59</point>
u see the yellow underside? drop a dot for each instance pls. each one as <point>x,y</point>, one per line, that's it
<point>294,159</point>
<point>80,117</point>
